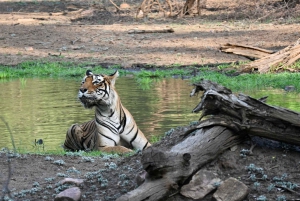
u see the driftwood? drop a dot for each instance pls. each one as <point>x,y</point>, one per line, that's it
<point>140,31</point>
<point>281,60</point>
<point>247,51</point>
<point>229,119</point>
<point>248,115</point>
<point>169,170</point>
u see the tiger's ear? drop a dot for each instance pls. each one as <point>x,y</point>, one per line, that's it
<point>113,77</point>
<point>88,73</point>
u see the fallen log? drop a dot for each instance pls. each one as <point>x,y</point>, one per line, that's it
<point>140,31</point>
<point>281,60</point>
<point>168,171</point>
<point>229,120</point>
<point>249,115</point>
<point>248,51</point>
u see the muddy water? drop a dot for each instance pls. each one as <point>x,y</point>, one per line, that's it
<point>45,108</point>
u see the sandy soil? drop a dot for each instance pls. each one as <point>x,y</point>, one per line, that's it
<point>94,33</point>
<point>82,32</point>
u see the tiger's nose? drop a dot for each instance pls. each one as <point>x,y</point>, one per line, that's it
<point>83,90</point>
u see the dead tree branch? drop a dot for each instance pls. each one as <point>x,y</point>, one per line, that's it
<point>140,31</point>
<point>230,119</point>
<point>5,187</point>
<point>282,59</point>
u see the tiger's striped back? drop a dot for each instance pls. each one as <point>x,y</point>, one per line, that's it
<point>82,137</point>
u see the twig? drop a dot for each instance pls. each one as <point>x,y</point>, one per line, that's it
<point>94,37</point>
<point>74,41</point>
<point>276,166</point>
<point>11,135</point>
<point>117,7</point>
<point>174,194</point>
<point>54,55</point>
<point>251,148</point>
<point>288,189</point>
<point>270,13</point>
<point>5,188</point>
<point>139,31</point>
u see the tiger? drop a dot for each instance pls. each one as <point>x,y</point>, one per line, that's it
<point>113,128</point>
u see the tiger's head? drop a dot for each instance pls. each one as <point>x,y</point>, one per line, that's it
<point>96,89</point>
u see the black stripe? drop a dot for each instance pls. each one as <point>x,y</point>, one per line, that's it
<point>109,138</point>
<point>98,112</point>
<point>106,89</point>
<point>130,130</point>
<point>122,125</point>
<point>134,137</point>
<point>89,143</point>
<point>73,128</point>
<point>70,142</point>
<point>122,113</point>
<point>106,93</point>
<point>111,128</point>
<point>112,113</point>
<point>145,145</point>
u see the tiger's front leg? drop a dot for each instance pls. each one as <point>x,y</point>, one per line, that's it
<point>113,143</point>
<point>115,149</point>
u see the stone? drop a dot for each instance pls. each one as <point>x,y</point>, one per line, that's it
<point>71,194</point>
<point>140,177</point>
<point>77,182</point>
<point>231,190</point>
<point>28,48</point>
<point>124,6</point>
<point>202,183</point>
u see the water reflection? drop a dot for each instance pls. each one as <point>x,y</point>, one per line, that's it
<point>45,108</point>
<point>278,97</point>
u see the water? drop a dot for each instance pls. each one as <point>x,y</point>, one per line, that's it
<point>46,108</point>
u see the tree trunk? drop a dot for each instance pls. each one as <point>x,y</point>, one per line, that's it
<point>229,119</point>
<point>187,7</point>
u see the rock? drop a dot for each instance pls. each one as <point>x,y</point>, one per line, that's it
<point>140,177</point>
<point>71,194</point>
<point>77,182</point>
<point>88,13</point>
<point>202,183</point>
<point>227,162</point>
<point>124,6</point>
<point>289,88</point>
<point>28,48</point>
<point>231,190</point>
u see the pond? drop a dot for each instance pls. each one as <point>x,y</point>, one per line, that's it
<point>45,108</point>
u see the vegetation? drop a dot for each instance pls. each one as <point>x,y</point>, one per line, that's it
<point>46,69</point>
<point>252,81</point>
<point>146,77</point>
